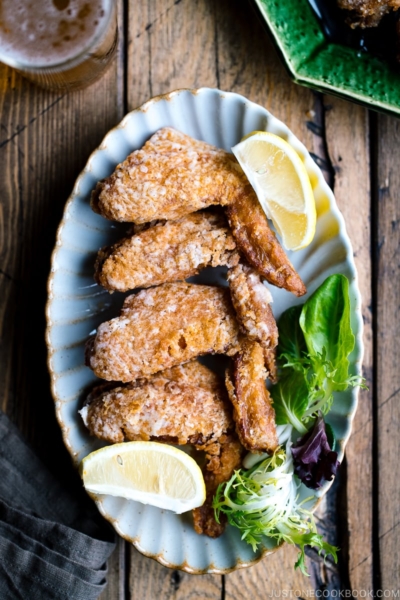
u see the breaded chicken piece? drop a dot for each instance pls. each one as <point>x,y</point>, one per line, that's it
<point>222,460</point>
<point>258,243</point>
<point>169,251</point>
<point>172,176</point>
<point>367,13</point>
<point>187,404</point>
<point>252,405</point>
<point>163,327</point>
<point>251,300</point>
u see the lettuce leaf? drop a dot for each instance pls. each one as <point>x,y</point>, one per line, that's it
<point>315,341</point>
<point>291,398</point>
<point>292,343</point>
<point>325,322</point>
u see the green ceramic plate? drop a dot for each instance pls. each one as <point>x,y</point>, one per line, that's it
<point>316,62</point>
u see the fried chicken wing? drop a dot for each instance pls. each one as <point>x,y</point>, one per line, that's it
<point>367,13</point>
<point>222,459</point>
<point>171,176</point>
<point>187,404</point>
<point>260,246</point>
<point>252,405</point>
<point>169,251</point>
<point>251,300</point>
<point>184,405</point>
<point>162,327</point>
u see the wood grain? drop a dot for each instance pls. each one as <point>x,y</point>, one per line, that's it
<point>248,64</point>
<point>201,43</point>
<point>273,576</point>
<point>192,44</point>
<point>45,140</point>
<point>150,580</point>
<point>388,349</point>
<point>173,43</point>
<point>117,573</point>
<point>351,164</point>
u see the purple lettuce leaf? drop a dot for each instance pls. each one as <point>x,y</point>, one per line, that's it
<point>314,460</point>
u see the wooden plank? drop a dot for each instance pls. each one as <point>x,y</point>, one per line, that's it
<point>347,136</point>
<point>248,64</point>
<point>45,140</point>
<point>388,349</point>
<point>350,162</point>
<point>228,49</point>
<point>173,44</point>
<point>149,580</point>
<point>273,576</point>
<point>116,577</point>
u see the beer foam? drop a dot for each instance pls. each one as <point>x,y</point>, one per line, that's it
<point>45,33</point>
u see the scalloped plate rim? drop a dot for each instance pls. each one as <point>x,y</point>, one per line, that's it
<point>359,348</point>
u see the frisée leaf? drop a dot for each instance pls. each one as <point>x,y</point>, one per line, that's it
<point>263,501</point>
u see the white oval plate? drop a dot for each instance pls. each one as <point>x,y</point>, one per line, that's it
<point>76,306</point>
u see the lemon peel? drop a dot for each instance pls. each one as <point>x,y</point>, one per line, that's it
<point>282,185</point>
<point>148,472</point>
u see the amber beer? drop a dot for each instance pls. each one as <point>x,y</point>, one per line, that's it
<point>58,44</point>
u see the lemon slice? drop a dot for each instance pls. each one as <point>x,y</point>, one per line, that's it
<point>148,472</point>
<point>282,185</point>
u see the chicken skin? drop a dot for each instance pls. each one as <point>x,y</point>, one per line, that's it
<point>184,405</point>
<point>187,404</point>
<point>252,405</point>
<point>367,13</point>
<point>157,391</point>
<point>163,327</point>
<point>172,176</point>
<point>259,244</point>
<point>251,300</point>
<point>167,252</point>
<point>223,459</point>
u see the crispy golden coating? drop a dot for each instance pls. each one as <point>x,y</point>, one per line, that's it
<point>184,405</point>
<point>162,327</point>
<point>251,300</point>
<point>259,245</point>
<point>367,13</point>
<point>169,251</point>
<point>252,405</point>
<point>171,176</point>
<point>223,458</point>
<point>187,404</point>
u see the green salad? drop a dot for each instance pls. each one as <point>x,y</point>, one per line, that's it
<point>315,341</point>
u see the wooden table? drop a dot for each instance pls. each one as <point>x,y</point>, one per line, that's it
<point>45,140</point>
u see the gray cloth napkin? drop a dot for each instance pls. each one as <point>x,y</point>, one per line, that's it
<point>50,549</point>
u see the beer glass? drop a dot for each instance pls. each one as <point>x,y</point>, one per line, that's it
<point>58,44</point>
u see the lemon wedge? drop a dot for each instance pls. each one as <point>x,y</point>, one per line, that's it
<point>282,185</point>
<point>149,472</point>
